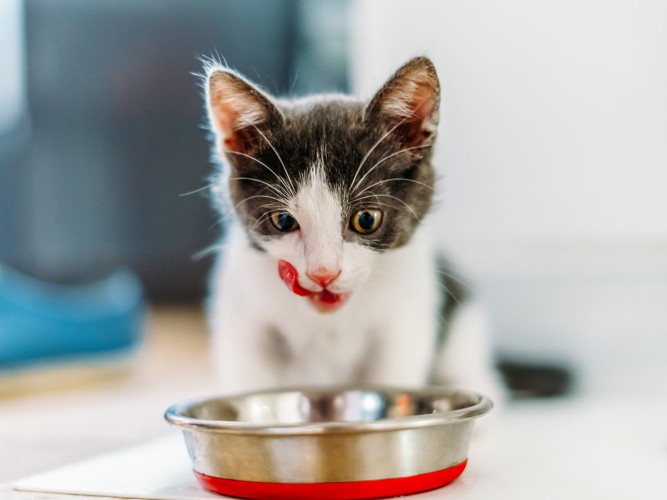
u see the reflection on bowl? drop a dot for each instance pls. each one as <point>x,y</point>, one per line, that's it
<point>329,443</point>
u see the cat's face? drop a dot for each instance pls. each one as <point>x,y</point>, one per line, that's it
<point>326,184</point>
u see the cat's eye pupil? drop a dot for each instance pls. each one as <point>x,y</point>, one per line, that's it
<point>366,221</point>
<point>283,221</point>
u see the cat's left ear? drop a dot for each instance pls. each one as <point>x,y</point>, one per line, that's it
<point>238,111</point>
<point>408,103</point>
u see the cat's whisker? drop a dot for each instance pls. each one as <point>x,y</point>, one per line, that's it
<point>395,179</point>
<point>404,150</point>
<point>442,272</point>
<point>244,200</point>
<point>380,204</point>
<point>205,252</point>
<point>288,188</point>
<point>292,188</point>
<point>228,212</point>
<point>393,198</point>
<point>278,191</point>
<point>220,221</point>
<point>449,293</point>
<point>442,318</point>
<point>272,206</point>
<point>261,220</point>
<point>195,191</point>
<point>377,244</point>
<point>370,151</point>
<point>265,215</point>
<point>225,213</point>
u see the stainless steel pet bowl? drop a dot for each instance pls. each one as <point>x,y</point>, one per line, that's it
<point>349,442</point>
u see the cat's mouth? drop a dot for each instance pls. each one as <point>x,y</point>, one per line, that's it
<point>326,301</point>
<point>323,301</point>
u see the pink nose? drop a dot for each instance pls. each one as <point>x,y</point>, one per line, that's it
<point>324,277</point>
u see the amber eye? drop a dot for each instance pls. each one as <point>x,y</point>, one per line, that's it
<point>284,222</point>
<point>366,221</point>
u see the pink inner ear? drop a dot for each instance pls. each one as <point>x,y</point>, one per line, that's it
<point>235,108</point>
<point>225,118</point>
<point>419,125</point>
<point>424,103</point>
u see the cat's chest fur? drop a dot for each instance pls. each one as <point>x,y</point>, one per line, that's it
<point>293,344</point>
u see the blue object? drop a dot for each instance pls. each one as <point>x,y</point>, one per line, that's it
<point>42,322</point>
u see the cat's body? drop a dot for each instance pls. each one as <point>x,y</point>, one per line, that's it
<point>329,275</point>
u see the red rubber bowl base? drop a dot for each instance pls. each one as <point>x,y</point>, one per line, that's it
<point>348,490</point>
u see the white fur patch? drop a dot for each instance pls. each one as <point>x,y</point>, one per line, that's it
<point>320,214</point>
<point>318,245</point>
<point>383,334</point>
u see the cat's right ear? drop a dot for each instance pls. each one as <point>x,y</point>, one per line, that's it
<point>238,111</point>
<point>408,103</point>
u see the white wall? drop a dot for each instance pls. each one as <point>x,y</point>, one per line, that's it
<point>553,148</point>
<point>554,113</point>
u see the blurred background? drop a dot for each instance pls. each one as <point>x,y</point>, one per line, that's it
<point>100,125</point>
<point>553,150</point>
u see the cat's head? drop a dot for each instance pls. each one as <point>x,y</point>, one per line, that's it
<point>326,184</point>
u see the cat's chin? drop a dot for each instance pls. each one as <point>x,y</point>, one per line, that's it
<point>326,301</point>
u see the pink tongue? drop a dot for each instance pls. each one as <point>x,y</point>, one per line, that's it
<point>290,276</point>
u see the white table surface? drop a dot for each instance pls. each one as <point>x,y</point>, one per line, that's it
<point>581,447</point>
<point>559,449</point>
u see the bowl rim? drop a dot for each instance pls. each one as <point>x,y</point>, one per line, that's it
<point>176,414</point>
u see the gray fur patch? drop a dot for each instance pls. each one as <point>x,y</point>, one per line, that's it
<point>277,347</point>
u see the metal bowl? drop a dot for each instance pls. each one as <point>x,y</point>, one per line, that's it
<point>329,443</point>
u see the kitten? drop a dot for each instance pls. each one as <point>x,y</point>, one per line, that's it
<point>329,275</point>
